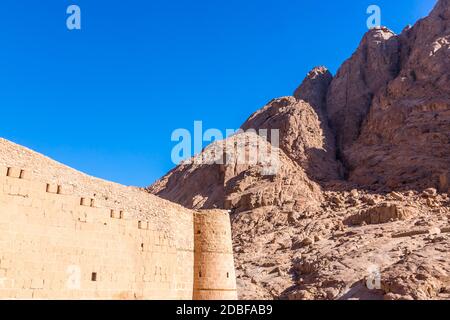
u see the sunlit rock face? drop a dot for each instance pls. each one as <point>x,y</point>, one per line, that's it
<point>359,208</point>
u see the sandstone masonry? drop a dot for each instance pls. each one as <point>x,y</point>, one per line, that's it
<point>56,244</point>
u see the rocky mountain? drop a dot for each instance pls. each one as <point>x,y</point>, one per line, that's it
<point>384,95</point>
<point>359,206</point>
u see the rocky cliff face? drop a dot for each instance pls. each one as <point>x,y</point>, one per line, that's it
<point>372,66</point>
<point>303,126</point>
<point>234,183</point>
<point>404,141</point>
<point>361,194</point>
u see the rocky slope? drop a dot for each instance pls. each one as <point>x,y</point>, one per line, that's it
<point>239,184</point>
<point>359,208</point>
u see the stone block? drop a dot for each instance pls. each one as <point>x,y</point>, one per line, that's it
<point>125,215</point>
<point>144,225</point>
<point>66,189</point>
<point>53,188</point>
<point>87,202</point>
<point>14,172</point>
<point>26,175</point>
<point>116,214</point>
<point>3,171</point>
<point>37,283</point>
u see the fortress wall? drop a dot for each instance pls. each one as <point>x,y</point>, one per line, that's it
<point>54,244</point>
<point>183,237</point>
<point>214,272</point>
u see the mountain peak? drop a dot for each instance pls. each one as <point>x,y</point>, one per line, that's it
<point>314,87</point>
<point>441,9</point>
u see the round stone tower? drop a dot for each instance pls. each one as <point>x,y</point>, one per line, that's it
<point>214,274</point>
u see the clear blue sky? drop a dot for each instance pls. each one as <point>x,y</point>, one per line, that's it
<point>106,99</point>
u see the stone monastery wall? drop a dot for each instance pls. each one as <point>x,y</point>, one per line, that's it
<point>55,244</point>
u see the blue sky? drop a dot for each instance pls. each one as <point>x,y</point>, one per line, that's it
<point>106,99</point>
